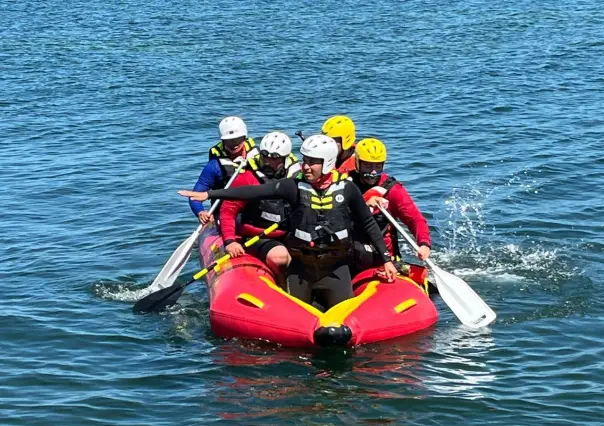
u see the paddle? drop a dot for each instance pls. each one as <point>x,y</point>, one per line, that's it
<point>457,294</point>
<point>171,270</point>
<point>168,296</point>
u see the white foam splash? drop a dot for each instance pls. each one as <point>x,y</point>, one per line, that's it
<point>476,249</point>
<point>121,292</point>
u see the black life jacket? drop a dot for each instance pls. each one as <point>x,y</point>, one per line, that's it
<point>264,213</point>
<point>323,220</point>
<point>227,165</point>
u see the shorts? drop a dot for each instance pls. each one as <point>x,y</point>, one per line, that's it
<point>262,247</point>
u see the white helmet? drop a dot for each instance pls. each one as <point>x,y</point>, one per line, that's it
<point>276,142</point>
<point>321,146</point>
<point>232,128</point>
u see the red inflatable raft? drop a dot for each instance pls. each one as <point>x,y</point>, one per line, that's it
<point>245,302</point>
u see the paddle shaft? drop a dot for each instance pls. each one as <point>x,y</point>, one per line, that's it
<point>216,203</point>
<point>400,229</point>
<point>457,294</point>
<point>169,295</point>
<point>180,256</point>
<point>226,257</point>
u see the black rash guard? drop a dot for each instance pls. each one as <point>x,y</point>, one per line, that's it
<point>287,189</point>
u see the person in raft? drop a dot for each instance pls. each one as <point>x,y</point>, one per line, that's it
<point>325,206</point>
<point>341,129</point>
<point>274,162</point>
<point>225,156</point>
<point>378,188</point>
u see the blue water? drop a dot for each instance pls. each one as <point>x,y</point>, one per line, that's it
<point>492,113</point>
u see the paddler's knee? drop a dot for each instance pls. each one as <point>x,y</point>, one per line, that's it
<point>278,256</point>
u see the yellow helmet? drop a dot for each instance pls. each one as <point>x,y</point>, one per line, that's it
<point>340,126</point>
<point>370,150</point>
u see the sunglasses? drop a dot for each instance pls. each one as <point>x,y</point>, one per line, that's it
<point>267,154</point>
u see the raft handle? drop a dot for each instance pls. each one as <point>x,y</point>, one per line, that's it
<point>403,306</point>
<point>249,300</point>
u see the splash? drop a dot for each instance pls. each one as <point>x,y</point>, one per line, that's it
<point>119,290</point>
<point>475,248</point>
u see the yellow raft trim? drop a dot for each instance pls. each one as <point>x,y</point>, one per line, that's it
<point>335,316</point>
<point>251,299</point>
<point>338,313</point>
<point>297,301</point>
<point>403,306</point>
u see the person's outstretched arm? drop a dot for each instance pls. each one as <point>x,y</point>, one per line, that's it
<point>285,189</point>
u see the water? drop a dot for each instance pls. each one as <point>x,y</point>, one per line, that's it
<point>492,116</point>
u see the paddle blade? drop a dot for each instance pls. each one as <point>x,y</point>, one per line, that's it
<point>471,310</point>
<point>159,300</point>
<point>171,270</point>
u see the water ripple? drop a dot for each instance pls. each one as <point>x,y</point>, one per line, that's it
<point>492,116</point>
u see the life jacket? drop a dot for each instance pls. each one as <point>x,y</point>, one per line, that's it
<point>322,221</point>
<point>349,165</point>
<point>385,184</point>
<point>227,165</point>
<point>264,213</point>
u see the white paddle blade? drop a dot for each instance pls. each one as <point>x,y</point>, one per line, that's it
<point>457,294</point>
<point>171,270</point>
<point>471,310</point>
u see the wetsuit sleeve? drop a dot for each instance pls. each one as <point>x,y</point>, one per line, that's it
<point>229,209</point>
<point>404,209</point>
<point>285,189</point>
<point>209,177</point>
<point>364,219</point>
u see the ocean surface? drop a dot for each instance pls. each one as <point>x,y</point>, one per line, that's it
<point>493,116</point>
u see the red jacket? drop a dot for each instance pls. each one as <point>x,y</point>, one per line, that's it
<point>401,206</point>
<point>229,209</point>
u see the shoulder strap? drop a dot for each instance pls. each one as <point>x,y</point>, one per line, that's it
<point>253,162</point>
<point>217,151</point>
<point>389,183</point>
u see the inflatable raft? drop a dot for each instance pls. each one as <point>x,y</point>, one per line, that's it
<point>245,302</point>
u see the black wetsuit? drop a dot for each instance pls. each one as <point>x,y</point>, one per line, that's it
<point>324,272</point>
